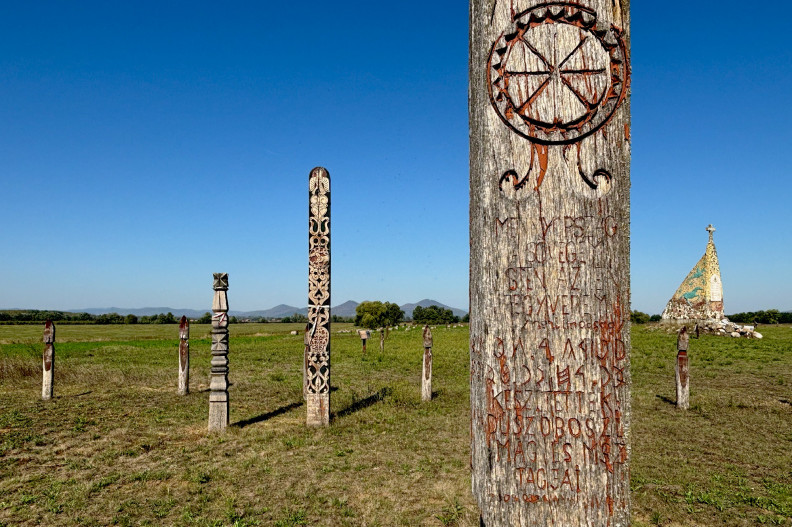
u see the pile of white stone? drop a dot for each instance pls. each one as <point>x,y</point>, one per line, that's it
<point>725,327</point>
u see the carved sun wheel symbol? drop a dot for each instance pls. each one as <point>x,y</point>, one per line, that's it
<point>555,78</point>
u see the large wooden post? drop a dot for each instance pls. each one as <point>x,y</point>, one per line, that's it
<point>218,383</point>
<point>317,361</point>
<point>549,270</point>
<point>48,360</point>
<point>184,356</point>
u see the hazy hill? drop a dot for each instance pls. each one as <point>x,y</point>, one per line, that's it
<point>347,309</point>
<point>279,311</point>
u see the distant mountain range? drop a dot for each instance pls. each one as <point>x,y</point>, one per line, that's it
<point>347,309</point>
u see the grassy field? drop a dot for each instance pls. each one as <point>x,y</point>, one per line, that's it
<point>118,446</point>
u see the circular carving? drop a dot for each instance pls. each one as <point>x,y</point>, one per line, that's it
<point>555,77</point>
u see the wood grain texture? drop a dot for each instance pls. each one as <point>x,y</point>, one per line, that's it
<point>549,264</point>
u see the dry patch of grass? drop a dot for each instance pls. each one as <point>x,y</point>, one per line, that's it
<point>117,446</point>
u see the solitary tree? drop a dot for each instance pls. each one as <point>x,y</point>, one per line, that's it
<point>377,314</point>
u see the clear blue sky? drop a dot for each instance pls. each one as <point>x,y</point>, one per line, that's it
<point>145,145</point>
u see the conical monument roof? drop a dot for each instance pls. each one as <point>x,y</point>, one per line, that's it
<point>700,296</point>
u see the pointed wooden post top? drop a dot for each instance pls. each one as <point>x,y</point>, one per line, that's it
<point>220,281</point>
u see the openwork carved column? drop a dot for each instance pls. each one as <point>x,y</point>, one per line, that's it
<point>317,360</point>
<point>218,384</point>
<point>426,377</point>
<point>184,356</point>
<point>48,360</point>
<point>549,271</point>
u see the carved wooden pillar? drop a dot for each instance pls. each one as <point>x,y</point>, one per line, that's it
<point>426,376</point>
<point>549,270</point>
<point>48,360</point>
<point>682,381</point>
<point>317,359</point>
<point>306,350</point>
<point>184,356</point>
<point>218,384</point>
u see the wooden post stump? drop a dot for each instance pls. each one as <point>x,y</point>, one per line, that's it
<point>682,381</point>
<point>426,377</point>
<point>218,383</point>
<point>184,356</point>
<point>48,360</point>
<point>549,270</point>
<point>382,340</point>
<point>318,353</point>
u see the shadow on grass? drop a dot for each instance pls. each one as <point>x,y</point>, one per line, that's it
<point>267,416</point>
<point>363,403</point>
<point>666,399</point>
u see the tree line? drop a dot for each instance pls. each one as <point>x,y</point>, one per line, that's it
<point>370,315</point>
<point>771,316</point>
<point>34,316</point>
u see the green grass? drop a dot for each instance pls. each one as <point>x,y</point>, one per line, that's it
<point>117,446</point>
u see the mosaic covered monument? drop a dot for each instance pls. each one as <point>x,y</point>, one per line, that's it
<point>700,297</point>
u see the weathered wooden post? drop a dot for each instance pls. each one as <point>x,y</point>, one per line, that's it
<point>549,272</point>
<point>48,360</point>
<point>184,356</point>
<point>382,340</point>
<point>218,384</point>
<point>426,377</point>
<point>317,359</point>
<point>682,378</point>
<point>306,349</point>
<point>682,370</point>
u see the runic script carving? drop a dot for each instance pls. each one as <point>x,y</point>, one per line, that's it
<point>549,262</point>
<point>317,351</point>
<point>555,76</point>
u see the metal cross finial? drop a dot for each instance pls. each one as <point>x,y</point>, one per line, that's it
<point>711,230</point>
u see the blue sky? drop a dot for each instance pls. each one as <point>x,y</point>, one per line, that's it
<point>146,145</point>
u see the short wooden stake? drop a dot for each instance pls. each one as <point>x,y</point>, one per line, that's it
<point>682,381</point>
<point>426,376</point>
<point>48,360</point>
<point>184,356</point>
